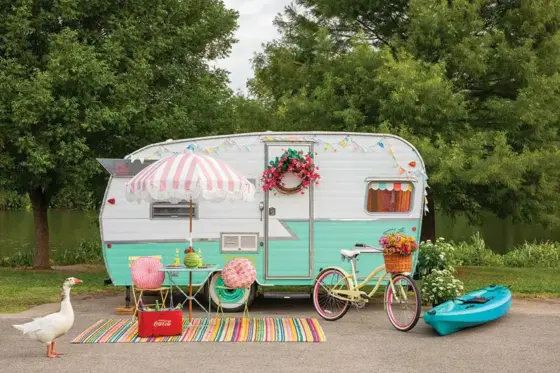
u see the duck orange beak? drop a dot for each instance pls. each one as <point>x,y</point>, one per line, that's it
<point>78,281</point>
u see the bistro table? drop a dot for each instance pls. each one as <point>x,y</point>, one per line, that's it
<point>173,271</point>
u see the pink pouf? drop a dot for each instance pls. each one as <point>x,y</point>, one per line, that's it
<point>145,273</point>
<point>239,273</point>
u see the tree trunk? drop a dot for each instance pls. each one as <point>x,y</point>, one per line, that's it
<point>429,223</point>
<point>42,249</point>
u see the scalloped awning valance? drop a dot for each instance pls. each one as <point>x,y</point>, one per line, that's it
<point>391,186</point>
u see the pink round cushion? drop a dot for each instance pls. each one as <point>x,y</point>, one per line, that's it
<point>239,273</point>
<point>145,273</point>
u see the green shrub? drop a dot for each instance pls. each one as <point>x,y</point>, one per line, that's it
<point>10,200</point>
<point>87,252</point>
<point>546,254</point>
<point>439,286</point>
<point>436,255</point>
<point>475,253</point>
<point>19,259</point>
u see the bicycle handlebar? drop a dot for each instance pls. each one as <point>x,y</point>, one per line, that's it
<point>365,245</point>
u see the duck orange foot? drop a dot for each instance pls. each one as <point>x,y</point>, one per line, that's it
<point>50,351</point>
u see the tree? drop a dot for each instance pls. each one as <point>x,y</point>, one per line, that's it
<point>89,78</point>
<point>473,84</point>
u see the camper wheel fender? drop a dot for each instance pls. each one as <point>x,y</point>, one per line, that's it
<point>322,270</point>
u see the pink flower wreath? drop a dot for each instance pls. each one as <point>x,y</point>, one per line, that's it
<point>291,161</point>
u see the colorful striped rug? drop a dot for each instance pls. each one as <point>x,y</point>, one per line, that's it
<point>269,329</point>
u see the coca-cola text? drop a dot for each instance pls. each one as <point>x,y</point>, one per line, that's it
<point>162,323</point>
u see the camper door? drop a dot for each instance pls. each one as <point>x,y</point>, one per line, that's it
<point>288,223</point>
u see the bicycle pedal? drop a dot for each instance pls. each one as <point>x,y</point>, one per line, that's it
<point>365,296</point>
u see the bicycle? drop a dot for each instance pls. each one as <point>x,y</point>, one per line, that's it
<point>347,290</point>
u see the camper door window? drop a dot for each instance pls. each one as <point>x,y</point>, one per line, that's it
<point>166,210</point>
<point>389,197</point>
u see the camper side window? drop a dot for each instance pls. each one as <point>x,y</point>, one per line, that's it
<point>389,197</point>
<point>166,210</point>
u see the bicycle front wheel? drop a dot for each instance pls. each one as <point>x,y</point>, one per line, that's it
<point>327,305</point>
<point>403,302</point>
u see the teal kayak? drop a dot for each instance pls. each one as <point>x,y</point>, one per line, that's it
<point>474,308</point>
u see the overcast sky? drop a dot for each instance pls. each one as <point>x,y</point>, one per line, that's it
<point>255,28</point>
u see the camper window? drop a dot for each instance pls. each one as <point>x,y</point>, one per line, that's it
<point>166,210</point>
<point>389,197</point>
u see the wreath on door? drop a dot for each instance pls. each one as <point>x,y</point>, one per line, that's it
<point>295,162</point>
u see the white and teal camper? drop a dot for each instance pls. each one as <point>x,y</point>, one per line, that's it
<point>370,185</point>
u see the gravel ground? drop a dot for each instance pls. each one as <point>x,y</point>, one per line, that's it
<point>527,339</point>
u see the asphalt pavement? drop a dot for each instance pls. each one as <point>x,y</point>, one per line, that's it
<point>526,340</point>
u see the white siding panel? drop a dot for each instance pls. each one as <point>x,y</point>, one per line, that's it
<point>341,193</point>
<point>122,209</point>
<point>145,229</point>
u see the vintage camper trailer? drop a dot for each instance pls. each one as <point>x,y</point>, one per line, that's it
<point>370,185</point>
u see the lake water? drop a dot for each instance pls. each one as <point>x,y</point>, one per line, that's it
<point>67,228</point>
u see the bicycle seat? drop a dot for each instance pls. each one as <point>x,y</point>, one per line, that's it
<point>349,253</point>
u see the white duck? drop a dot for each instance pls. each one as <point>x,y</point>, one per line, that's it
<point>48,328</point>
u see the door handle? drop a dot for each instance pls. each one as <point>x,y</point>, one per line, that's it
<point>261,207</point>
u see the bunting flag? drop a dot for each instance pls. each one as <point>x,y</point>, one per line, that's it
<point>382,145</point>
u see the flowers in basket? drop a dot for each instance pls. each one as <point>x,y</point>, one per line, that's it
<point>395,243</point>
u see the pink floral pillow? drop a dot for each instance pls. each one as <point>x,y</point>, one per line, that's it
<point>145,273</point>
<point>239,273</point>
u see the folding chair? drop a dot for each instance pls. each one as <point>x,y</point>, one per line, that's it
<point>146,277</point>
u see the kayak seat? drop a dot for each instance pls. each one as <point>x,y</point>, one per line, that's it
<point>474,300</point>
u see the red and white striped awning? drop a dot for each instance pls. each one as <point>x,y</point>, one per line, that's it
<point>187,177</point>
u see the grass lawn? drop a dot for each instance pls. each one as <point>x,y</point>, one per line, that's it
<point>523,282</point>
<point>21,289</point>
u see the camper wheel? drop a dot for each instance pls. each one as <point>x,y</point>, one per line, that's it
<point>232,300</point>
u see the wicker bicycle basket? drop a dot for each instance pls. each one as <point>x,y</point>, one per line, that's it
<point>396,263</point>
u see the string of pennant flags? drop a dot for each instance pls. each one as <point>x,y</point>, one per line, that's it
<point>382,145</point>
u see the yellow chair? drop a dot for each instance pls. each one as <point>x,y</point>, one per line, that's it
<point>238,274</point>
<point>146,276</point>
<point>220,308</point>
<point>163,292</point>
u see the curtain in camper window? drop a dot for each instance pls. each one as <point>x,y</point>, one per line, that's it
<point>389,197</point>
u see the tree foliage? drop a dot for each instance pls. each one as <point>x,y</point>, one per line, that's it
<point>474,84</point>
<point>87,78</point>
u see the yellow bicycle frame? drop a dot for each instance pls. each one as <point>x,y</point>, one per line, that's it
<point>354,294</point>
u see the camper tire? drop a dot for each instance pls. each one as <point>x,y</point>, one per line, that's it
<point>232,300</point>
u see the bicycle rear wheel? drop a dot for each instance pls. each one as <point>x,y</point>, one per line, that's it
<point>404,304</point>
<point>327,306</point>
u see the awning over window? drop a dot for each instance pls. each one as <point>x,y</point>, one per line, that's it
<point>391,186</point>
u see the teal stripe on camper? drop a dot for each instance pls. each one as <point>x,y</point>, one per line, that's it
<point>287,257</point>
<point>290,257</point>
<point>120,255</point>
<point>331,236</point>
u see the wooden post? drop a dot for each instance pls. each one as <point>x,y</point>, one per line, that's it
<point>190,217</point>
<point>190,295</point>
<point>190,273</point>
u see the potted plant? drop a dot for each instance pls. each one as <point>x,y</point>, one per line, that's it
<point>397,252</point>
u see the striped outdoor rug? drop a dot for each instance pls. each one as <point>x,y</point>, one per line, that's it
<point>269,329</point>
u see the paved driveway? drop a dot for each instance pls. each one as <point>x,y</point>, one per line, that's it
<point>525,340</point>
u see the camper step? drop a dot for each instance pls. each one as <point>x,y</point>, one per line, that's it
<point>280,295</point>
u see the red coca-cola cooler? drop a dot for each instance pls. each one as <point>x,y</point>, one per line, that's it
<point>163,323</point>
